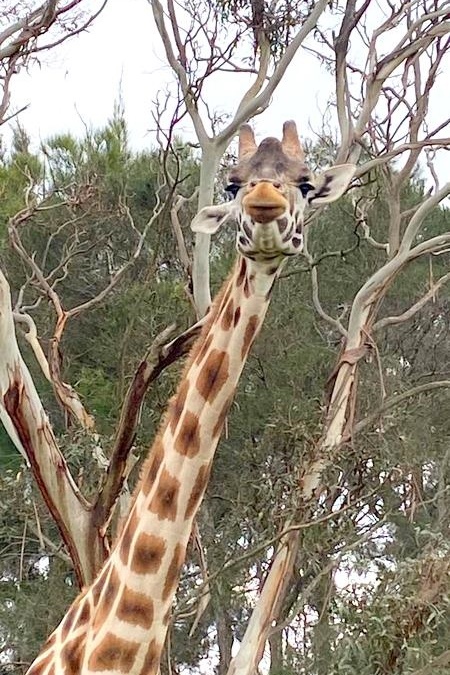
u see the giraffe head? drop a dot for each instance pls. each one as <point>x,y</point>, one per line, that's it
<point>271,187</point>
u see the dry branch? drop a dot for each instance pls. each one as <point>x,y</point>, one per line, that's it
<point>24,37</point>
<point>398,399</point>
<point>160,355</point>
<point>411,311</point>
<point>29,428</point>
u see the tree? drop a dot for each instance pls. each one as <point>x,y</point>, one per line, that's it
<point>72,193</point>
<point>94,227</point>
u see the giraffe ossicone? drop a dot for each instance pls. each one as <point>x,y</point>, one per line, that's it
<point>271,187</point>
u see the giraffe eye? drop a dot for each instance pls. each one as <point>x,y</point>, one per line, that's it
<point>232,189</point>
<point>305,188</point>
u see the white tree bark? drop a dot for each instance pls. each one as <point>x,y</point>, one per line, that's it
<point>28,426</point>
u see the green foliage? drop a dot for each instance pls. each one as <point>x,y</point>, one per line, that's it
<point>277,21</point>
<point>18,172</point>
<point>9,457</point>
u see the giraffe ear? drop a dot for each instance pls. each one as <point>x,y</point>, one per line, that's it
<point>331,184</point>
<point>210,218</point>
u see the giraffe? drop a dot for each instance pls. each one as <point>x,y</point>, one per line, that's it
<point>118,625</point>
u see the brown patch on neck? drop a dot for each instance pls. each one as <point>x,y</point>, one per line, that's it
<point>165,500</point>
<point>43,663</point>
<point>110,590</point>
<point>51,641</point>
<point>68,621</point>
<point>250,334</point>
<point>84,615</point>
<point>227,316</point>
<point>198,490</point>
<point>97,586</point>
<point>127,535</point>
<point>237,316</point>
<point>114,653</point>
<point>176,405</point>
<point>135,608</point>
<point>72,656</point>
<point>151,466</point>
<point>242,270</point>
<point>173,572</point>
<point>148,554</point>
<point>204,349</point>
<point>187,440</point>
<point>222,416</point>
<point>151,661</point>
<point>213,375</point>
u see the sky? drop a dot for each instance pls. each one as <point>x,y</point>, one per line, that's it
<point>77,84</point>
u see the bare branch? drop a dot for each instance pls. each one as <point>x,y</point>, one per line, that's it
<point>335,323</point>
<point>23,38</point>
<point>411,311</point>
<point>252,645</point>
<point>160,356</point>
<point>32,339</point>
<point>363,169</point>
<point>176,226</point>
<point>397,399</point>
<point>28,426</point>
<point>419,216</point>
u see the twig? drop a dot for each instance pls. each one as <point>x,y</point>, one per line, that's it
<point>161,354</point>
<point>396,400</point>
<point>411,311</point>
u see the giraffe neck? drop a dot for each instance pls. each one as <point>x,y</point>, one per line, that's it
<point>126,611</point>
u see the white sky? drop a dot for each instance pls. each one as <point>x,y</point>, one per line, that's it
<point>77,83</point>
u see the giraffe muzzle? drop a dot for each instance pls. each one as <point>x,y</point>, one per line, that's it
<point>264,202</point>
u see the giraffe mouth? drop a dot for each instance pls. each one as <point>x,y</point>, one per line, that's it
<point>265,213</point>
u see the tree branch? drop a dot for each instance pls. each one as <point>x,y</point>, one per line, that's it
<point>396,400</point>
<point>411,311</point>
<point>160,356</point>
<point>27,424</point>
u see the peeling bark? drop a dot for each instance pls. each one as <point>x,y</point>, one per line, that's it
<point>26,422</point>
<point>252,646</point>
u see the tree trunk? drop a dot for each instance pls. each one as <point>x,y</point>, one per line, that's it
<point>200,267</point>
